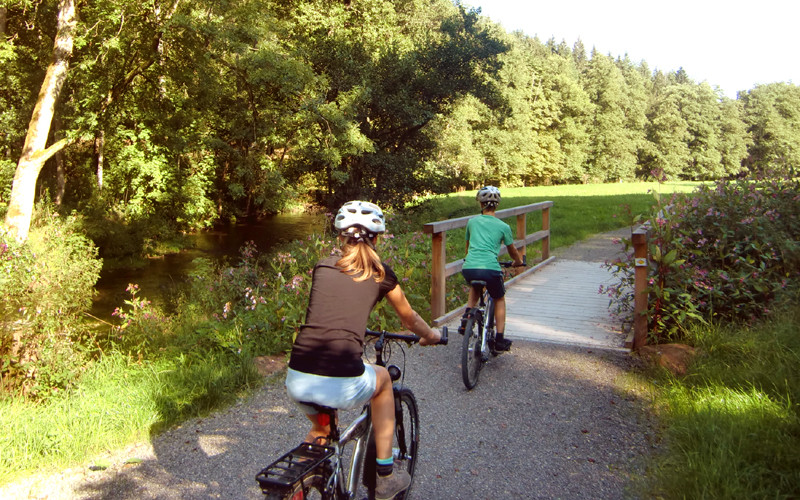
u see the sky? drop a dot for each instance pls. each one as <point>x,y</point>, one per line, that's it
<point>733,44</point>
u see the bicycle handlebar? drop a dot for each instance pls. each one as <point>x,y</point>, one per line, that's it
<point>509,263</point>
<point>411,339</point>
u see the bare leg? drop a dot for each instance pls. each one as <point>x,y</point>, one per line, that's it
<point>317,429</point>
<point>473,297</point>
<point>500,315</point>
<point>383,413</point>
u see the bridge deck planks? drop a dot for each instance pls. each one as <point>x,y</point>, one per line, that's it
<point>560,303</point>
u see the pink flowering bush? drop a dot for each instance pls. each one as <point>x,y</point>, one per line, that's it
<point>46,284</point>
<point>257,305</point>
<point>726,252</point>
<point>141,325</point>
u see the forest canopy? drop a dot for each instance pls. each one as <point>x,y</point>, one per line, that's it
<point>178,114</point>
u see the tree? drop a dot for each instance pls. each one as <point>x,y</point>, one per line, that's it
<point>733,137</point>
<point>772,113</point>
<point>613,153</point>
<point>34,152</point>
<point>666,153</point>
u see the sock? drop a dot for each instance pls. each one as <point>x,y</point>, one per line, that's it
<point>498,336</point>
<point>385,466</point>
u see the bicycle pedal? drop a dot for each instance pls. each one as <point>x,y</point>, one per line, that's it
<point>284,472</point>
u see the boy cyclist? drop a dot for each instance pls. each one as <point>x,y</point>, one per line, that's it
<point>485,234</point>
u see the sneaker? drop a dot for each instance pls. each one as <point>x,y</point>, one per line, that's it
<point>502,345</point>
<point>386,487</point>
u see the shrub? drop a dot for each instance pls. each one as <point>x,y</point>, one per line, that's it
<point>726,252</point>
<point>46,282</point>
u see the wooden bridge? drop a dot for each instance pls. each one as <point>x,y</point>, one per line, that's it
<point>556,300</point>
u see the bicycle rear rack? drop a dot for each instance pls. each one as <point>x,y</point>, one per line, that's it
<point>286,471</point>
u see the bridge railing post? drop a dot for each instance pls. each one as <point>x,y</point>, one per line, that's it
<point>640,239</point>
<point>522,229</point>
<point>546,229</point>
<point>438,263</point>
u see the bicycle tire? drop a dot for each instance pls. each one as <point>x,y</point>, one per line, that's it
<point>488,326</point>
<point>405,443</point>
<point>471,357</point>
<point>406,446</point>
<point>312,487</point>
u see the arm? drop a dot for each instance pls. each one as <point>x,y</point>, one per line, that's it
<point>410,318</point>
<point>514,253</point>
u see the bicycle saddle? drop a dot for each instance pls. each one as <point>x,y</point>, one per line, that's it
<point>320,408</point>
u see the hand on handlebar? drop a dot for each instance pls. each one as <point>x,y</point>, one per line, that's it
<point>430,340</point>
<point>439,338</point>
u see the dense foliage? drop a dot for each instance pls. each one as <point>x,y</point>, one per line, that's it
<point>725,253</point>
<point>178,114</point>
<point>45,285</point>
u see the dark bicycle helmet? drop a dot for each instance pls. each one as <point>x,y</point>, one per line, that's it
<point>360,213</point>
<point>488,194</point>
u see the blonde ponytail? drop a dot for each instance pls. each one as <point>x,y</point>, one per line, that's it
<point>359,259</point>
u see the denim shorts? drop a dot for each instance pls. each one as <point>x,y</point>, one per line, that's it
<point>493,279</point>
<point>344,393</point>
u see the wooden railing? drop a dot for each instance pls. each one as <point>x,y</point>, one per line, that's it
<point>441,269</point>
<point>639,239</point>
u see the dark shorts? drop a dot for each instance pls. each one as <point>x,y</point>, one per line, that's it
<point>493,279</point>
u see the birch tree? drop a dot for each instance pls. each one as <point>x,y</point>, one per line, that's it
<point>35,151</point>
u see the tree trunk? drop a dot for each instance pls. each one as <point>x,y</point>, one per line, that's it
<point>61,177</point>
<point>34,154</point>
<point>99,151</point>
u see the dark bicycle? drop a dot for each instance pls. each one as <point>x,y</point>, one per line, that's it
<point>332,471</point>
<point>479,334</point>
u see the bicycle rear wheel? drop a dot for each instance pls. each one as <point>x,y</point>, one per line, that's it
<point>312,487</point>
<point>471,356</point>
<point>406,439</point>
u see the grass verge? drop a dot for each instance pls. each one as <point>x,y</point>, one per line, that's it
<point>732,425</point>
<point>117,401</point>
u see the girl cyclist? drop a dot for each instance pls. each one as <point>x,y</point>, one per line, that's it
<point>485,234</point>
<point>326,365</point>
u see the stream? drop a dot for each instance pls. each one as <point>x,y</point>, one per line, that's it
<point>156,278</point>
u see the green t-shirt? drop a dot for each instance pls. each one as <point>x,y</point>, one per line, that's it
<point>485,233</point>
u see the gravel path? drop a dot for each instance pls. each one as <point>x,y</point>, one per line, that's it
<point>545,422</point>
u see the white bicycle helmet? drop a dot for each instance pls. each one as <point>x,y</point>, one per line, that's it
<point>488,194</point>
<point>360,213</point>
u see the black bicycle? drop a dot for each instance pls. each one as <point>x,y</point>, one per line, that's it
<point>332,471</point>
<point>479,335</point>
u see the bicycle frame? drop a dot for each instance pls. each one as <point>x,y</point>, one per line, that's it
<point>358,431</point>
<point>296,469</point>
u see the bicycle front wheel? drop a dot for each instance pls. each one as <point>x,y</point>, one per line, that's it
<point>406,436</point>
<point>471,356</point>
